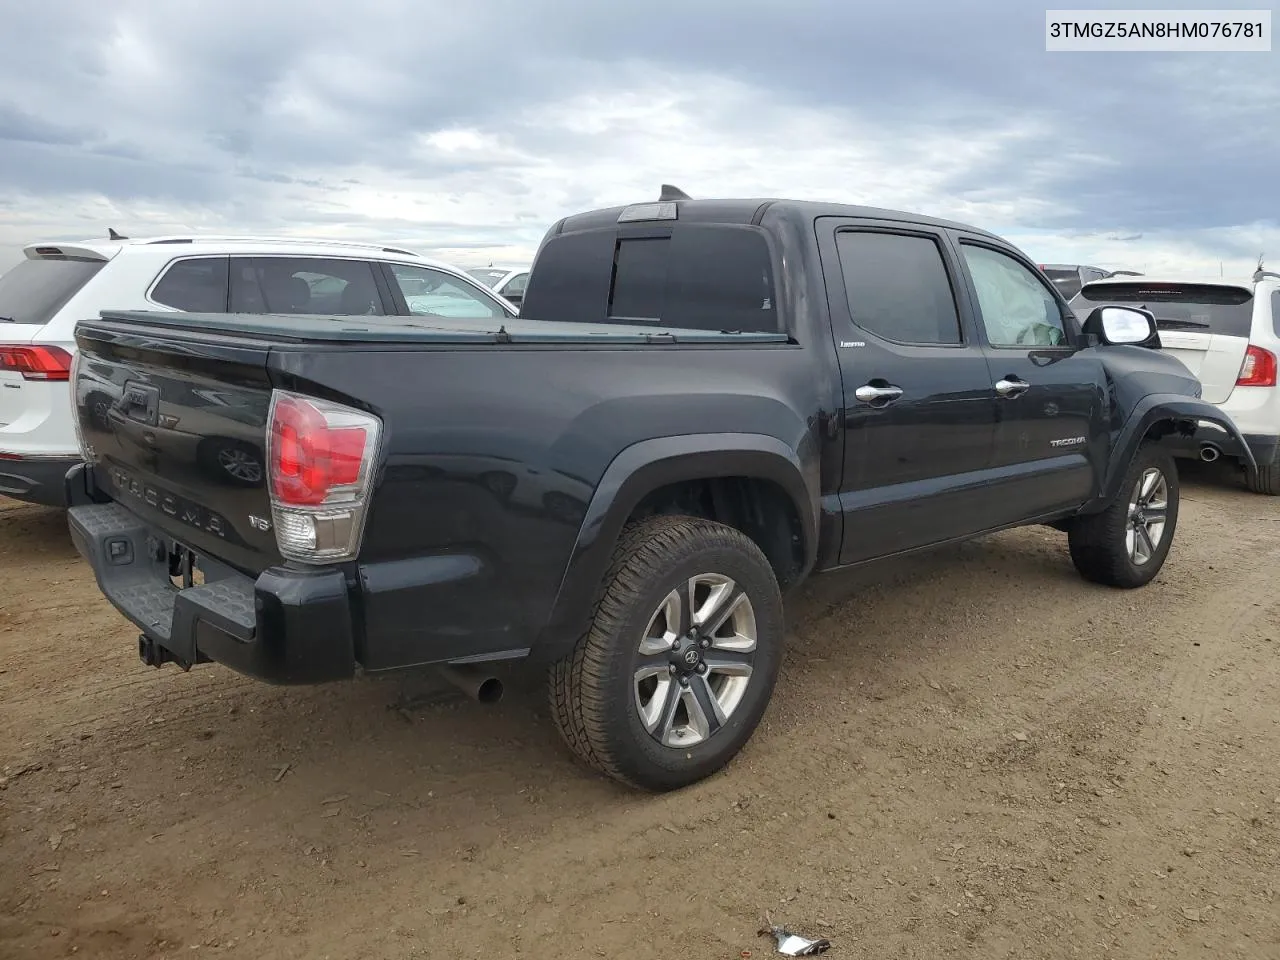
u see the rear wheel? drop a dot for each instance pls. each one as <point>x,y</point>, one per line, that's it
<point>681,658</point>
<point>1126,544</point>
<point>1266,479</point>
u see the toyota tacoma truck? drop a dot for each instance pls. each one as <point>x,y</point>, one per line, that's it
<point>701,403</point>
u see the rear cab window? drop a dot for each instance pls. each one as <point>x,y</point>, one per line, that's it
<point>36,289</point>
<point>1192,307</point>
<point>693,276</point>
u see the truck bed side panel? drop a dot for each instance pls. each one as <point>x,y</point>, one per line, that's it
<point>492,455</point>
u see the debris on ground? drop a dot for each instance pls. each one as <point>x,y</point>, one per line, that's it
<point>792,944</point>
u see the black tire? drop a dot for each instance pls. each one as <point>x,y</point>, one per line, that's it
<point>1098,542</point>
<point>1266,479</point>
<point>593,691</point>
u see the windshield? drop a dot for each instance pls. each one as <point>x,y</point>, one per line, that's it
<point>1067,281</point>
<point>34,290</point>
<point>488,277</point>
<point>1177,306</point>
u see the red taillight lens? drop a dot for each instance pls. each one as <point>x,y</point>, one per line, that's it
<point>313,451</point>
<point>37,363</point>
<point>1258,369</point>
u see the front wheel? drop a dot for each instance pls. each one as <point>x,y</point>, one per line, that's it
<point>680,661</point>
<point>1126,544</point>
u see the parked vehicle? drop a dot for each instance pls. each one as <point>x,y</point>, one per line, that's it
<point>703,402</point>
<point>1070,277</point>
<point>1228,334</point>
<point>59,283</point>
<point>509,284</point>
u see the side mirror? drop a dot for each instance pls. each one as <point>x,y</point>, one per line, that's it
<point>1123,325</point>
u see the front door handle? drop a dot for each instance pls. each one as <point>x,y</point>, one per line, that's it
<point>868,393</point>
<point>1012,387</point>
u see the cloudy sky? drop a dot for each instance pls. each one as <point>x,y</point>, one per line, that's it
<point>464,129</point>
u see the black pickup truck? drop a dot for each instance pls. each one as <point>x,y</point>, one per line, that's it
<point>701,403</point>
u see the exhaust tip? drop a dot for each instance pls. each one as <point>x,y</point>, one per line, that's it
<point>1209,453</point>
<point>478,685</point>
<point>489,690</point>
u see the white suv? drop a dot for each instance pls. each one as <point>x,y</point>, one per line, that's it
<point>1228,334</point>
<point>58,284</point>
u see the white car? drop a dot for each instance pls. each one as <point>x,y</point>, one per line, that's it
<point>508,282</point>
<point>1228,334</point>
<point>59,284</point>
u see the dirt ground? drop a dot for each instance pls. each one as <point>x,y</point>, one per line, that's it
<point>971,753</point>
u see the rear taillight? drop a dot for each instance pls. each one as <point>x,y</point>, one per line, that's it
<point>36,363</point>
<point>1258,369</point>
<point>320,461</point>
<point>86,451</point>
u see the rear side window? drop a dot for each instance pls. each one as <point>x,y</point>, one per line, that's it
<point>1194,307</point>
<point>515,286</point>
<point>35,290</point>
<point>195,286</point>
<point>700,277</point>
<point>1275,312</point>
<point>339,288</point>
<point>897,287</point>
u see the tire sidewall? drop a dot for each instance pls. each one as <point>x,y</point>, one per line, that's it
<point>638,753</point>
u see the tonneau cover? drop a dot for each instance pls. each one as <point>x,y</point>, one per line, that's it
<point>303,328</point>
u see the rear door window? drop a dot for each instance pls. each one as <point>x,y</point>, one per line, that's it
<point>897,287</point>
<point>1193,307</point>
<point>195,286</point>
<point>35,290</point>
<point>315,285</point>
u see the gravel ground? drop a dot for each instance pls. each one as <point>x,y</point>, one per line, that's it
<point>971,753</point>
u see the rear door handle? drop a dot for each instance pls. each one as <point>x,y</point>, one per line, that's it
<point>881,395</point>
<point>1012,387</point>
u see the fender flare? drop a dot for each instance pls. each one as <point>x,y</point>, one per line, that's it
<point>647,466</point>
<point>1149,411</point>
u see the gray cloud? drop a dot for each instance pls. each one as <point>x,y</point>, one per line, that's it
<point>279,110</point>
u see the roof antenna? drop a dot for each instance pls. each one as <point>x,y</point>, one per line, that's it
<point>1261,274</point>
<point>672,193</point>
<point>112,235</point>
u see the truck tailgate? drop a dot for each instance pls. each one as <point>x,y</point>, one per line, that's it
<point>177,424</point>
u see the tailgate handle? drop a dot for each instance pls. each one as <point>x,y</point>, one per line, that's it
<point>141,402</point>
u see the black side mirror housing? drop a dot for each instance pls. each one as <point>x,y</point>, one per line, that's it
<point>1122,325</point>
